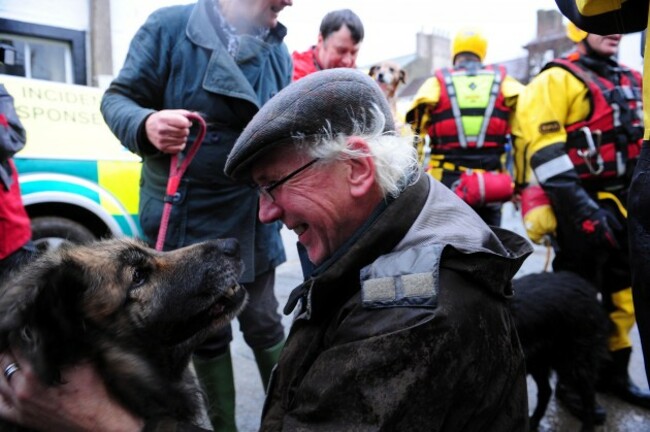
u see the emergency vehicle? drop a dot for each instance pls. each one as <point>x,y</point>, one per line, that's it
<point>77,181</point>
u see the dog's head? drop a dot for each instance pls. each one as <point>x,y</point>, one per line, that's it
<point>388,75</point>
<point>119,300</point>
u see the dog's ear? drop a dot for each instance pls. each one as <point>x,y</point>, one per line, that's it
<point>373,69</point>
<point>402,76</point>
<point>41,317</point>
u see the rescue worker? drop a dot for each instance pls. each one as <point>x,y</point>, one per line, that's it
<point>339,39</point>
<point>463,115</point>
<point>578,129</point>
<point>628,17</point>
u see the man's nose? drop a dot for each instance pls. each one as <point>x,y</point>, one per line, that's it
<point>347,60</point>
<point>269,211</point>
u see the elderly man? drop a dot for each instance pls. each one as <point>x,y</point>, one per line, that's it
<point>403,323</point>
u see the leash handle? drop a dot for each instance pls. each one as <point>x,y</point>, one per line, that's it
<point>177,167</point>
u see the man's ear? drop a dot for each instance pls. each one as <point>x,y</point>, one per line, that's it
<point>361,176</point>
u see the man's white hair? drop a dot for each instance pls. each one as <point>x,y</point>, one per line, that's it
<point>395,156</point>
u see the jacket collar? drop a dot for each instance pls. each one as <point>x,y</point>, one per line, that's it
<point>375,238</point>
<point>223,74</point>
<point>489,256</point>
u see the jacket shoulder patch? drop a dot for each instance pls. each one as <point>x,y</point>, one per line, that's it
<point>402,279</point>
<point>549,127</point>
<point>399,291</point>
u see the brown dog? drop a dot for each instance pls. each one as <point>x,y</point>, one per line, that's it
<point>389,75</point>
<point>136,313</point>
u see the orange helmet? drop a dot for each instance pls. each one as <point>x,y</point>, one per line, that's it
<point>469,40</point>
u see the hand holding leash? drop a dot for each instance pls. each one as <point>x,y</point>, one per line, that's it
<point>178,166</point>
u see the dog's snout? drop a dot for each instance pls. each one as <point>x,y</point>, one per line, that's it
<point>230,247</point>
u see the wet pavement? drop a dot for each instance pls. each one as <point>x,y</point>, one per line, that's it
<point>621,417</point>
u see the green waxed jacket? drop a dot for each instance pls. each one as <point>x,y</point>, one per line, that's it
<point>407,329</point>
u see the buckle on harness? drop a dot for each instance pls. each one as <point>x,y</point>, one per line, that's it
<point>591,151</point>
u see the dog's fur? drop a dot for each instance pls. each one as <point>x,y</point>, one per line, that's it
<point>136,313</point>
<point>563,327</point>
<point>388,76</point>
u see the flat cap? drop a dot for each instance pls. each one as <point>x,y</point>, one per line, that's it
<point>323,101</point>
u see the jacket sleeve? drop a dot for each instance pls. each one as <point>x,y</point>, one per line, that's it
<point>606,17</point>
<point>12,133</point>
<point>552,100</point>
<point>425,99</point>
<point>511,88</point>
<point>138,90</point>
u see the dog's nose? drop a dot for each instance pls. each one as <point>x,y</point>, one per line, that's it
<point>230,247</point>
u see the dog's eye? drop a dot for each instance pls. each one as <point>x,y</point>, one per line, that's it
<point>139,277</point>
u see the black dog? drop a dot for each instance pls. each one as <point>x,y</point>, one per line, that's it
<point>563,327</point>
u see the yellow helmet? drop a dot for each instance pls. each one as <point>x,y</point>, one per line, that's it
<point>469,40</point>
<point>574,33</point>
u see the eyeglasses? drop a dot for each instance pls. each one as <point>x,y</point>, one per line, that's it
<point>265,190</point>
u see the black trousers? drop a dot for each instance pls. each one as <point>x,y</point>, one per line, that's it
<point>604,266</point>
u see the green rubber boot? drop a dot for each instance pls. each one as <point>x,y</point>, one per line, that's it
<point>216,376</point>
<point>266,360</point>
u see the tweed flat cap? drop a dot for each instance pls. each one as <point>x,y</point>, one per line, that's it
<point>324,100</point>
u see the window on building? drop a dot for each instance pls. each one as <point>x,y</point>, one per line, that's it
<point>40,58</point>
<point>45,52</point>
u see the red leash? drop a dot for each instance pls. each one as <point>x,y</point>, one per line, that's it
<point>177,167</point>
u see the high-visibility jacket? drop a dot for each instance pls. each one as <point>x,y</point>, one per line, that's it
<point>603,144</point>
<point>471,112</point>
<point>572,118</point>
<point>465,112</point>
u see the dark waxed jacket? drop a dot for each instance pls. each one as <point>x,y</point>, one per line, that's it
<point>408,329</point>
<point>177,61</point>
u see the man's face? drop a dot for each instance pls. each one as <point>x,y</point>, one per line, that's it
<point>316,204</point>
<point>337,50</point>
<point>263,13</point>
<point>605,46</point>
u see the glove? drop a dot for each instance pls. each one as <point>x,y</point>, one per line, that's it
<point>538,215</point>
<point>600,227</point>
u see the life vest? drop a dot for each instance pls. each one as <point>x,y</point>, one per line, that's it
<point>471,113</point>
<point>607,143</point>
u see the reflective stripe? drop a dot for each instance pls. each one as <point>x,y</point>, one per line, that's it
<point>553,167</point>
<point>494,92</point>
<point>451,92</point>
